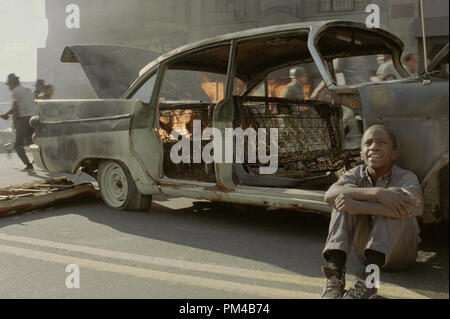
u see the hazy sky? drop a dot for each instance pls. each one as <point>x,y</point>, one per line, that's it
<point>23,29</point>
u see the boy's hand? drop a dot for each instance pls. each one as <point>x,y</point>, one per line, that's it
<point>345,203</point>
<point>4,116</point>
<point>396,199</point>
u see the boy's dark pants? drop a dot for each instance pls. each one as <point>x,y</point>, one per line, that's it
<point>396,238</point>
<point>23,137</point>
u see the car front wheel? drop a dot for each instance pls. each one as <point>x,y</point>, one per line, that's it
<point>118,188</point>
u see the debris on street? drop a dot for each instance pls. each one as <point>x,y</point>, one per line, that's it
<point>39,194</point>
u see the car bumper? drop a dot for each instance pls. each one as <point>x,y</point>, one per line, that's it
<point>37,157</point>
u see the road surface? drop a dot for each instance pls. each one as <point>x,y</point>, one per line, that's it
<point>182,248</point>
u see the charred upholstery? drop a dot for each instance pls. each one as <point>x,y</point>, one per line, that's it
<point>309,149</point>
<point>180,117</point>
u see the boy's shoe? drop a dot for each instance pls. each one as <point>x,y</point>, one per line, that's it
<point>359,290</point>
<point>28,168</point>
<point>334,287</point>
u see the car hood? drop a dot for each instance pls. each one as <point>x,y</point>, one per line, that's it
<point>110,69</point>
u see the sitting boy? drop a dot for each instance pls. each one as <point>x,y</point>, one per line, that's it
<point>375,206</point>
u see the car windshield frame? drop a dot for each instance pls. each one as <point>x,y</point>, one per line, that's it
<point>314,30</point>
<point>392,43</point>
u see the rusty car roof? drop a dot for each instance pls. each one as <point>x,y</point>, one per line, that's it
<point>316,25</point>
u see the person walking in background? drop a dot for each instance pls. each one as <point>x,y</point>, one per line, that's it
<point>386,71</point>
<point>295,89</point>
<point>411,63</point>
<point>356,69</point>
<point>22,110</point>
<point>43,91</point>
<point>38,88</point>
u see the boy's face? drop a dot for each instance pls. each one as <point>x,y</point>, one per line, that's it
<point>377,148</point>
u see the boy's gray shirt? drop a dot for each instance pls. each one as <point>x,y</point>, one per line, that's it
<point>395,177</point>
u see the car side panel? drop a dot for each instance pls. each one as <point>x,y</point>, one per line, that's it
<point>71,131</point>
<point>417,115</point>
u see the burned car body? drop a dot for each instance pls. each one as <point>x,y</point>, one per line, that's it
<point>126,139</point>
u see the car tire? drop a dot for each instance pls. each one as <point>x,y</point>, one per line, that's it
<point>118,188</point>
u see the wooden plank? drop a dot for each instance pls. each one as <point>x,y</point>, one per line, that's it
<point>24,203</point>
<point>26,190</point>
<point>53,182</point>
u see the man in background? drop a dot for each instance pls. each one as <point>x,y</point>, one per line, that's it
<point>356,69</point>
<point>43,91</point>
<point>386,71</point>
<point>411,63</point>
<point>294,90</point>
<point>23,109</point>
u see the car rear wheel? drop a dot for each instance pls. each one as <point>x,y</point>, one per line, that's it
<point>118,188</point>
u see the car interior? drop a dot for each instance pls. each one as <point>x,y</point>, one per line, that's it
<point>309,131</point>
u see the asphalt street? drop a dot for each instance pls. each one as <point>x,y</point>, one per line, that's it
<point>183,248</point>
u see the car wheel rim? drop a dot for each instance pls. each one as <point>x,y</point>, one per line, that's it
<point>114,185</point>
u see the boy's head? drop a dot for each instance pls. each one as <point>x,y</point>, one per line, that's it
<point>378,147</point>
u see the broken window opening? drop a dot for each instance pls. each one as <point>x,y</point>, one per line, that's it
<point>309,151</point>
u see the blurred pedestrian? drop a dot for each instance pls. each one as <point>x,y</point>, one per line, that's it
<point>22,110</point>
<point>411,63</point>
<point>386,71</point>
<point>43,91</point>
<point>38,88</point>
<point>356,69</point>
<point>295,89</point>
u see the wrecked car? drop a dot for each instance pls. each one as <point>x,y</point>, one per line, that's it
<point>129,137</point>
